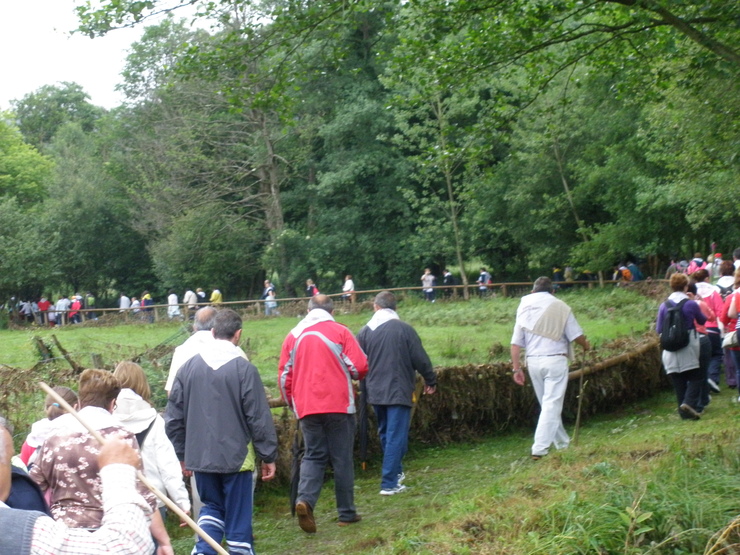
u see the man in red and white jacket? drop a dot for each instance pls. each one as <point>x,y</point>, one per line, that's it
<point>318,362</point>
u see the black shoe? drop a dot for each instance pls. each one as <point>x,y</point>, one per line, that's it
<point>305,517</point>
<point>688,412</point>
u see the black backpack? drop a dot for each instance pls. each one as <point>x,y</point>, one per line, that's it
<point>725,291</point>
<point>674,334</point>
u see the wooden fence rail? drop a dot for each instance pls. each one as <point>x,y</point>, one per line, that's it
<point>158,312</point>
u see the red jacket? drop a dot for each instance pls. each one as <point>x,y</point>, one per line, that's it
<point>317,377</point>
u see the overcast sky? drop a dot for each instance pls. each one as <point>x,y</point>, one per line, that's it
<point>36,50</point>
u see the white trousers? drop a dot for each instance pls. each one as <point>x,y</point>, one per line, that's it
<point>549,377</point>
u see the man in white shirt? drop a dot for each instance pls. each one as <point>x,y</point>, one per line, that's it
<point>62,307</point>
<point>191,302</point>
<point>545,328</point>
<point>124,303</point>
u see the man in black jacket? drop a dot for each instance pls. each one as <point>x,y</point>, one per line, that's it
<point>395,353</point>
<point>216,407</point>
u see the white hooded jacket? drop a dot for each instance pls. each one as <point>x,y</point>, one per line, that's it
<point>158,456</point>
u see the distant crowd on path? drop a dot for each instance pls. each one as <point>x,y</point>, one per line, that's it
<point>67,309</point>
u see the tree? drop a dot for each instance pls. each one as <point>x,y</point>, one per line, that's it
<point>26,251</point>
<point>24,172</point>
<point>89,212</point>
<point>210,246</point>
<point>41,113</point>
<point>528,132</point>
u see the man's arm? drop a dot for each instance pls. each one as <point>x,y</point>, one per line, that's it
<point>174,421</point>
<point>175,365</point>
<point>285,371</point>
<point>516,362</point>
<point>6,453</point>
<point>354,357</point>
<point>159,533</point>
<point>421,361</point>
<point>257,412</point>
<point>583,342</point>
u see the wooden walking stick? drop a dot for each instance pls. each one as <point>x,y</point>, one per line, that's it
<point>166,500</point>
<point>581,388</point>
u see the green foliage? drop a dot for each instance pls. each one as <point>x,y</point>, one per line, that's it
<point>378,138</point>
<point>25,251</point>
<point>91,219</point>
<point>24,172</point>
<point>209,247</point>
<point>41,113</point>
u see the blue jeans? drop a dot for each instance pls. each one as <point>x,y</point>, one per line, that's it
<point>329,437</point>
<point>393,428</point>
<point>227,511</point>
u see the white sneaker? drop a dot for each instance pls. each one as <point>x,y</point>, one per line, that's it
<point>393,491</point>
<point>401,478</point>
<point>713,385</point>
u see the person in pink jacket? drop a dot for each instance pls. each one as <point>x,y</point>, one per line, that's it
<point>711,296</point>
<point>319,360</point>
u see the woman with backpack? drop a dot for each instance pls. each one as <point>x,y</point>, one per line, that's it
<point>680,343</point>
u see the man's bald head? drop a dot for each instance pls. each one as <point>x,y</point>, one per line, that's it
<point>204,318</point>
<point>323,302</point>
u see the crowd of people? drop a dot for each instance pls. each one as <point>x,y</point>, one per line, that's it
<point>697,325</point>
<point>216,425</point>
<point>67,309</point>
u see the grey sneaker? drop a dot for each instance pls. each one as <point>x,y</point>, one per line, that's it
<point>393,491</point>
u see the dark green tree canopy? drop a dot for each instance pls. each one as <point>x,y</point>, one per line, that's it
<point>41,113</point>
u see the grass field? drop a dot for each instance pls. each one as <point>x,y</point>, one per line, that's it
<point>640,481</point>
<point>454,333</point>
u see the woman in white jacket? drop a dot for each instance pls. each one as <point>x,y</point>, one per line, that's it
<point>134,413</point>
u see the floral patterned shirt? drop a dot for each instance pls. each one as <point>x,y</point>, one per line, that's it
<point>67,464</point>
